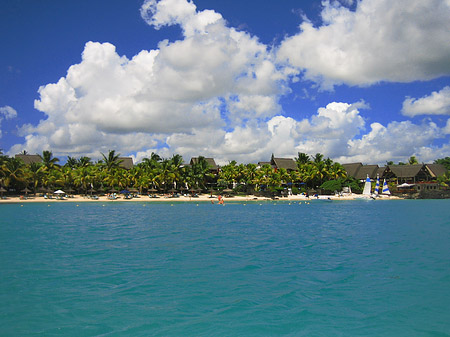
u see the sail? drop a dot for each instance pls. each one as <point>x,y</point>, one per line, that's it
<point>367,186</point>
<point>386,188</point>
<point>377,186</point>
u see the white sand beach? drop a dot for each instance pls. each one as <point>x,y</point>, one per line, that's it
<point>162,198</point>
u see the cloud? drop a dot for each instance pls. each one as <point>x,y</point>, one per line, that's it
<point>382,40</point>
<point>438,103</point>
<point>446,129</point>
<point>397,141</point>
<point>216,92</point>
<point>215,78</point>
<point>6,112</point>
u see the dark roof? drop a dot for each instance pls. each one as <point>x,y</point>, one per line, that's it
<point>127,162</point>
<point>406,171</point>
<point>29,158</point>
<point>436,170</point>
<point>381,170</point>
<point>367,170</point>
<point>211,162</point>
<point>352,169</point>
<point>286,163</point>
<point>262,163</point>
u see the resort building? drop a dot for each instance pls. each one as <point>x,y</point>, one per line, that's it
<point>407,173</point>
<point>410,174</point>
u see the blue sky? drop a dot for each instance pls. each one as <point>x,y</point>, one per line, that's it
<point>355,80</point>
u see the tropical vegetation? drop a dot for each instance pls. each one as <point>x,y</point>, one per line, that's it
<point>82,175</point>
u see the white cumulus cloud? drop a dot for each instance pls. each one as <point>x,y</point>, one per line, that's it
<point>6,112</point>
<point>382,40</point>
<point>438,103</point>
<point>214,78</point>
<point>216,91</point>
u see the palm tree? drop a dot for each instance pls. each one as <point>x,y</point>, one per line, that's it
<point>48,160</point>
<point>71,162</point>
<point>337,171</point>
<point>318,158</point>
<point>166,175</point>
<point>84,161</point>
<point>176,163</point>
<point>228,174</point>
<point>199,173</point>
<point>264,175</point>
<point>302,159</point>
<point>111,161</point>
<point>83,178</point>
<point>34,173</point>
<point>13,173</point>
<point>66,178</point>
<point>250,177</point>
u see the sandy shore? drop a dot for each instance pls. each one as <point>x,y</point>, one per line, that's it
<point>200,198</point>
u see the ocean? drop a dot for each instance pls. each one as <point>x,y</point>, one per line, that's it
<point>323,268</point>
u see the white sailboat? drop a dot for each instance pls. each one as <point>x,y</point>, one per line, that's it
<point>377,186</point>
<point>367,187</point>
<point>386,188</point>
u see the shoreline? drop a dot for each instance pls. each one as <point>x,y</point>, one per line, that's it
<point>200,198</point>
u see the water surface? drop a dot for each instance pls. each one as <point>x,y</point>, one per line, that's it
<point>351,268</point>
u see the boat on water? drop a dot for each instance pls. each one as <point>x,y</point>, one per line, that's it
<point>385,191</point>
<point>367,191</point>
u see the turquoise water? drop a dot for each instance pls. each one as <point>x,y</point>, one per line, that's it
<point>352,268</point>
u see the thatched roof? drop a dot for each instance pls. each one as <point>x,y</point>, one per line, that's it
<point>436,170</point>
<point>381,171</point>
<point>29,158</point>
<point>406,171</point>
<point>367,170</point>
<point>360,171</point>
<point>127,162</point>
<point>352,169</point>
<point>262,163</point>
<point>211,163</point>
<point>286,163</point>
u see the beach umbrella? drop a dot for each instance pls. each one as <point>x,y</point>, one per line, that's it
<point>59,192</point>
<point>26,190</point>
<point>125,192</point>
<point>113,190</point>
<point>2,190</point>
<point>153,190</point>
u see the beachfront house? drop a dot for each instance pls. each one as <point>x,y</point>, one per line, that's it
<point>409,174</point>
<point>412,174</point>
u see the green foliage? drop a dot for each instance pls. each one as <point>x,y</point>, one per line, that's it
<point>444,161</point>
<point>412,160</point>
<point>332,185</point>
<point>155,172</point>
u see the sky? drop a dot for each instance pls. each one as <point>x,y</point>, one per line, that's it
<point>356,80</point>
